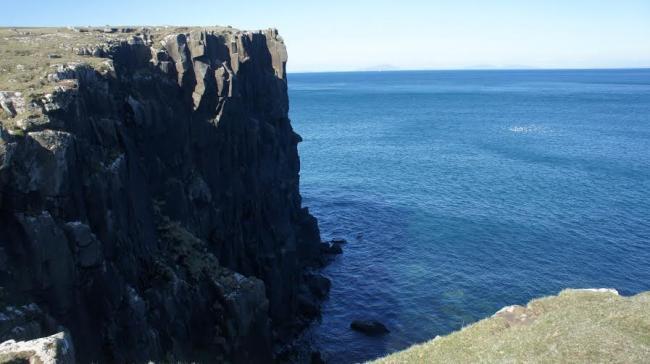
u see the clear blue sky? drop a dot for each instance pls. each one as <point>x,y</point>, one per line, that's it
<point>407,34</point>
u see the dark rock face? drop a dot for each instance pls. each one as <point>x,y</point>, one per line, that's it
<point>331,249</point>
<point>369,327</point>
<point>154,208</point>
<point>318,284</point>
<point>24,323</point>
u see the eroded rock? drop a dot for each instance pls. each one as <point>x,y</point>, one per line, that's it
<point>55,349</point>
<point>85,244</point>
<point>12,103</point>
<point>152,199</point>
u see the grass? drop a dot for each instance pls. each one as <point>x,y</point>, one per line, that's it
<point>576,326</point>
<point>25,56</point>
<point>28,55</point>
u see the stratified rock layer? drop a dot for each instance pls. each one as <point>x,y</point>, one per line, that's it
<point>151,205</point>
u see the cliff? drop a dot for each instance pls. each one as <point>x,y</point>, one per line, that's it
<point>577,326</point>
<point>149,193</point>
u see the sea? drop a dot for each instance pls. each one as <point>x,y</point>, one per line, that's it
<point>461,192</point>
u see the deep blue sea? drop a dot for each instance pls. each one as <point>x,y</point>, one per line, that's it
<point>461,192</point>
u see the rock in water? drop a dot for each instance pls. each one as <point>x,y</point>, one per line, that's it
<point>331,249</point>
<point>149,197</point>
<point>369,327</point>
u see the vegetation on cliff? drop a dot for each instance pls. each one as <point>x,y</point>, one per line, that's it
<point>577,326</point>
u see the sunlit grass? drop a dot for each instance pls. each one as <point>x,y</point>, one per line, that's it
<point>574,327</point>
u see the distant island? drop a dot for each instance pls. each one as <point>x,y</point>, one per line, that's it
<point>380,68</point>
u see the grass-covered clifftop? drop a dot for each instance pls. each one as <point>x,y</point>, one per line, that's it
<point>577,326</point>
<point>30,56</point>
<point>27,55</point>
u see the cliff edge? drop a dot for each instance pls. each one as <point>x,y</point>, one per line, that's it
<point>149,193</point>
<point>577,326</point>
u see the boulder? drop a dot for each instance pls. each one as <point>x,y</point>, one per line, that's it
<point>318,284</point>
<point>331,249</point>
<point>369,327</point>
<point>55,349</point>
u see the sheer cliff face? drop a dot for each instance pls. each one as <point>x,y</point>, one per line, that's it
<point>151,204</point>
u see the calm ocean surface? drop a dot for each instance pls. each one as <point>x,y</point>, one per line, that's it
<point>461,192</point>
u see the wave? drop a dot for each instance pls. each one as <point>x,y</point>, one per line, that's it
<point>528,129</point>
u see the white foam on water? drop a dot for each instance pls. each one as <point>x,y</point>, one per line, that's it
<point>527,129</point>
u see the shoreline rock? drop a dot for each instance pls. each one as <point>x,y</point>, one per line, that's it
<point>369,327</point>
<point>333,247</point>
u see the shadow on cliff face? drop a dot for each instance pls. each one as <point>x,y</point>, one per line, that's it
<point>156,213</point>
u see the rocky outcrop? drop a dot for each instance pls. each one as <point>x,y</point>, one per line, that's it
<point>150,202</point>
<point>55,349</point>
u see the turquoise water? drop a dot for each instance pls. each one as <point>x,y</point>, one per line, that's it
<point>462,192</point>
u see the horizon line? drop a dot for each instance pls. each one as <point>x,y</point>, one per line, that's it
<point>469,69</point>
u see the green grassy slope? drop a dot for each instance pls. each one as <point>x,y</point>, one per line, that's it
<point>577,326</point>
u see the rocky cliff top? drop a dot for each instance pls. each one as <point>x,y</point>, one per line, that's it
<point>31,57</point>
